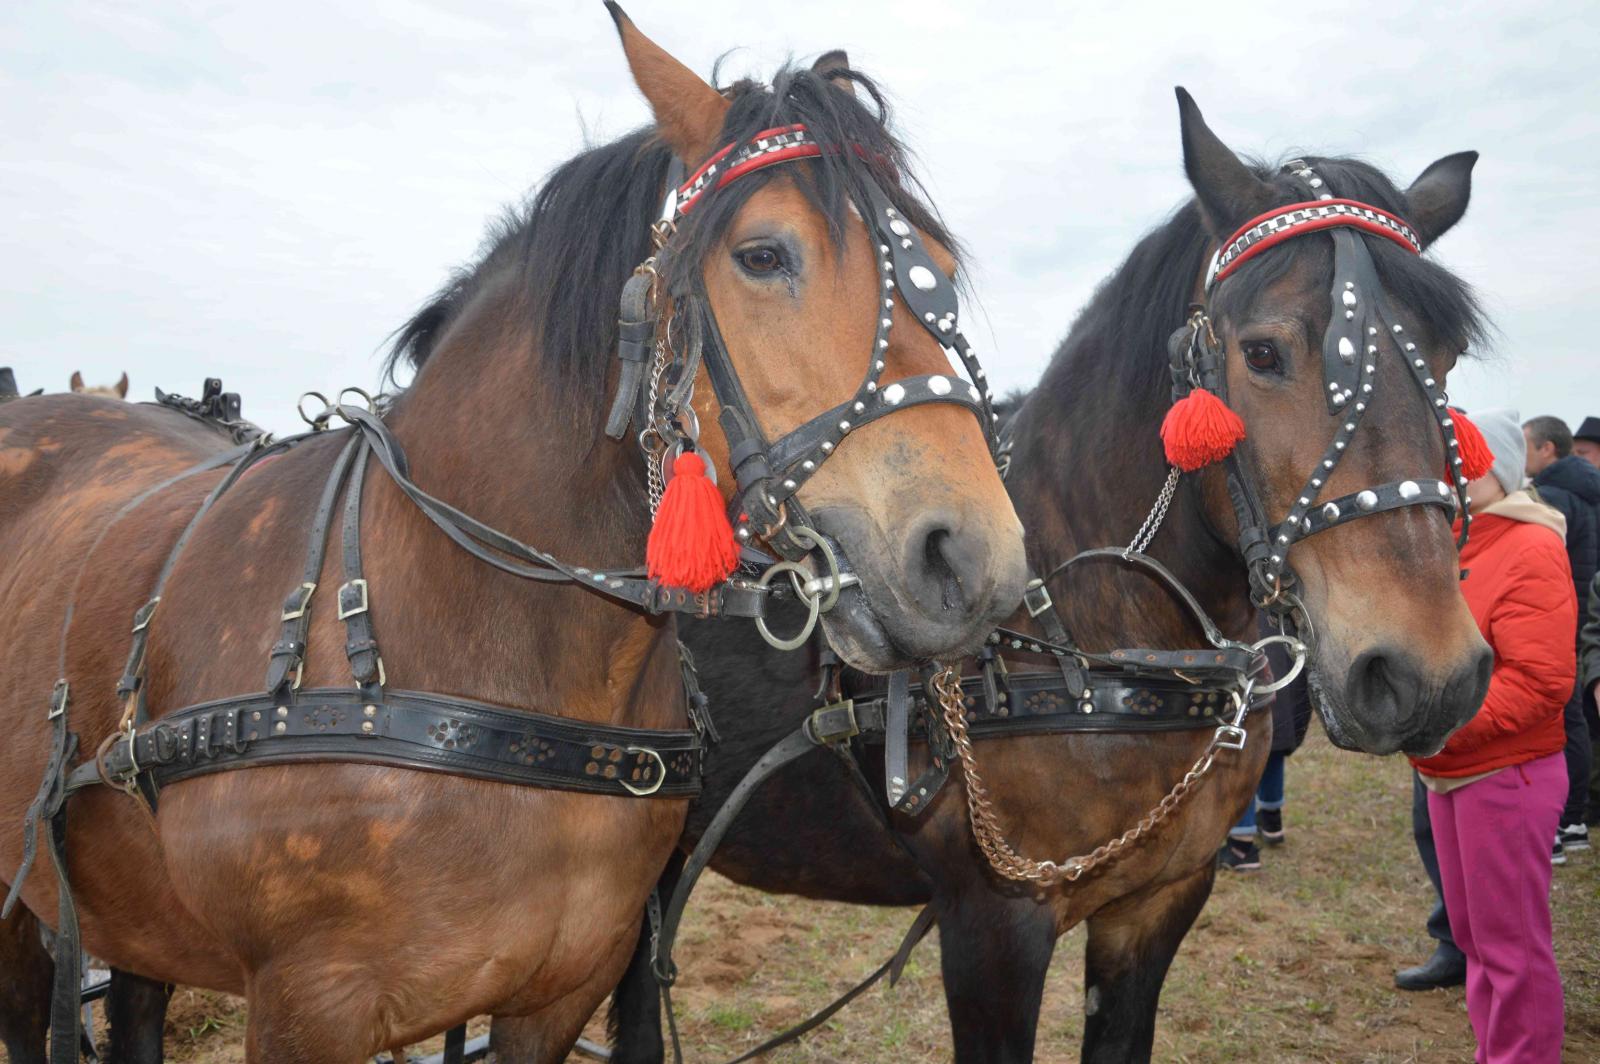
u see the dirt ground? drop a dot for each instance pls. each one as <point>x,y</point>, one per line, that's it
<point>1293,963</point>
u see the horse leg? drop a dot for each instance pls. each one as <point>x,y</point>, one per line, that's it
<point>635,1020</point>
<point>24,988</point>
<point>136,1012</point>
<point>994,953</point>
<point>1131,944</point>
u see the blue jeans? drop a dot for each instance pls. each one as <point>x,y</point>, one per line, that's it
<point>1269,795</point>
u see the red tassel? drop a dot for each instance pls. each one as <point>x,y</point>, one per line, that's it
<point>691,543</point>
<point>1473,450</point>
<point>1199,430</point>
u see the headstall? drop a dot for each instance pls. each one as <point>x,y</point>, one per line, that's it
<point>1363,329</point>
<point>667,331</point>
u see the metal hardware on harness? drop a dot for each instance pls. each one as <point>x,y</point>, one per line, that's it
<point>352,598</point>
<point>989,835</point>
<point>833,723</point>
<point>819,593</point>
<point>1036,597</point>
<point>661,773</point>
<point>1152,523</point>
<point>302,603</point>
<point>1296,647</point>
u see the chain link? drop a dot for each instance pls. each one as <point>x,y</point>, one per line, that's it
<point>986,827</point>
<point>1158,513</point>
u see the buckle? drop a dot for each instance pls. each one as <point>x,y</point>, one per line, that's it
<point>1037,598</point>
<point>834,723</point>
<point>58,700</point>
<point>298,602</point>
<point>1230,737</point>
<point>349,604</point>
<point>661,773</point>
<point>141,619</point>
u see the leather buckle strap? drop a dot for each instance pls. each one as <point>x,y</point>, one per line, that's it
<point>833,724</point>
<point>352,598</point>
<point>1036,597</point>
<point>299,600</point>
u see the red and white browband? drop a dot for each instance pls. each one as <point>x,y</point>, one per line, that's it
<point>766,148</point>
<point>1274,227</point>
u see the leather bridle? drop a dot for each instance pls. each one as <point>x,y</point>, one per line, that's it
<point>769,473</point>
<point>1363,328</point>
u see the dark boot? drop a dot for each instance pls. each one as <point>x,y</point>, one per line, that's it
<point>1444,968</point>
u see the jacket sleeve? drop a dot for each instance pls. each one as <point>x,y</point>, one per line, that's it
<point>1530,628</point>
<point>1591,637</point>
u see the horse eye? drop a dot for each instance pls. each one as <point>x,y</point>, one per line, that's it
<point>760,261</point>
<point>1261,356</point>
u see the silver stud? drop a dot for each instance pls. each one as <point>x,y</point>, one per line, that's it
<point>1349,426</point>
<point>944,324</point>
<point>883,345</point>
<point>1462,481</point>
<point>888,304</point>
<point>923,278</point>
<point>1333,387</point>
<point>877,367</point>
<point>1327,463</point>
<point>1316,182</point>
<point>1409,489</point>
<point>369,711</point>
<point>1340,399</point>
<point>283,711</point>
<point>1316,482</point>
<point>1304,501</point>
<point>887,322</point>
<point>1349,314</point>
<point>1366,389</point>
<point>789,485</point>
<point>1360,407</point>
<point>1429,381</point>
<point>1411,347</point>
<point>827,447</point>
<point>872,386</point>
<point>1372,330</point>
<point>1371,368</point>
<point>1305,525</point>
<point>861,407</point>
<point>1349,296</point>
<point>899,228</point>
<point>1347,350</point>
<point>1283,539</point>
<point>1338,445</point>
<point>1277,559</point>
<point>884,248</point>
<point>844,426</point>
<point>772,500</point>
<point>1418,363</point>
<point>888,282</point>
<point>1348,285</point>
<point>367,726</point>
<point>1439,403</point>
<point>1444,489</point>
<point>893,394</point>
<point>905,244</point>
<point>1469,500</point>
<point>1367,500</point>
<point>928,317</point>
<point>808,465</point>
<point>1330,512</point>
<point>939,385</point>
<point>743,533</point>
<point>280,727</point>
<point>1398,329</point>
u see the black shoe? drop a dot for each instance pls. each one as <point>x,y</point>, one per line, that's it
<point>1436,973</point>
<point>1270,823</point>
<point>1574,837</point>
<point>1240,855</point>
<point>1558,853</point>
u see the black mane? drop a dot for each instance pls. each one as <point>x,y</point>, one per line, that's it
<point>571,247</point>
<point>1126,325</point>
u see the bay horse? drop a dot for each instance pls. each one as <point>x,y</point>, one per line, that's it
<point>1396,662</point>
<point>118,390</point>
<point>358,906</point>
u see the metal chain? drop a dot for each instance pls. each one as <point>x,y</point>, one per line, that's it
<point>991,837</point>
<point>655,475</point>
<point>1158,513</point>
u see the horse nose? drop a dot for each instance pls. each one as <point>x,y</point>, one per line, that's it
<point>1397,708</point>
<point>945,570</point>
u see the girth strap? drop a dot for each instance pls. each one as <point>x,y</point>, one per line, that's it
<point>406,729</point>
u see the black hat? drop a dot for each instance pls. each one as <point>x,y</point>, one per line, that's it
<point>1589,430</point>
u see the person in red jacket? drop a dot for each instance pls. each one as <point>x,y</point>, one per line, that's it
<point>1496,789</point>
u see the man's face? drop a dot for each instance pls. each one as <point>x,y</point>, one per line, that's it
<point>1588,450</point>
<point>1539,454</point>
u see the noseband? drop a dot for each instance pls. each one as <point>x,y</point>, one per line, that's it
<point>769,473</point>
<point>1361,327</point>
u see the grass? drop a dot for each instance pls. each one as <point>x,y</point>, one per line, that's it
<point>1293,964</point>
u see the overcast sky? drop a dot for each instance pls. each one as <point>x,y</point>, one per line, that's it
<point>264,191</point>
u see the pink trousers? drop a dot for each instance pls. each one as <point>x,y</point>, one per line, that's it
<point>1494,838</point>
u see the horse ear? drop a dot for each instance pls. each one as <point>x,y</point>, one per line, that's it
<point>830,65</point>
<point>1230,194</point>
<point>689,112</point>
<point>1438,198</point>
<point>122,386</point>
<point>76,383</point>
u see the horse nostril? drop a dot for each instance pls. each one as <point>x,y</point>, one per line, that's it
<point>937,569</point>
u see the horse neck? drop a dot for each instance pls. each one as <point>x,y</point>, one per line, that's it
<point>1088,468</point>
<point>487,428</point>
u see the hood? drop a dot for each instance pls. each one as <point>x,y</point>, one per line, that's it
<point>1520,506</point>
<point>1572,474</point>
